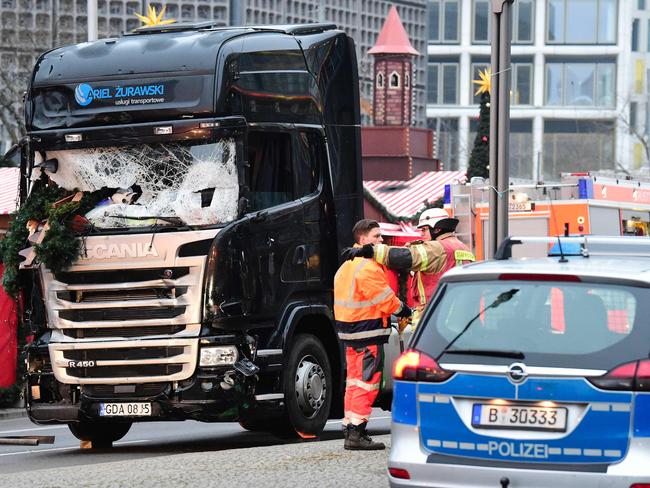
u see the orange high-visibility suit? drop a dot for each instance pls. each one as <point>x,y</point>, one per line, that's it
<point>363,303</point>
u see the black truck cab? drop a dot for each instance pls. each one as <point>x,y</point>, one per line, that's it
<point>224,170</point>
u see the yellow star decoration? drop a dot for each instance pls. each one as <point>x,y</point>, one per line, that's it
<point>485,83</point>
<point>152,18</point>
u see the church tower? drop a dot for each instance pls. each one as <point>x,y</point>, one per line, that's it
<point>393,68</point>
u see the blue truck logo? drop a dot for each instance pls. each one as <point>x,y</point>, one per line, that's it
<point>84,94</point>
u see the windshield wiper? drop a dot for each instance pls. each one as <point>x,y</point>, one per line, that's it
<point>502,298</point>
<point>488,352</point>
<point>170,219</point>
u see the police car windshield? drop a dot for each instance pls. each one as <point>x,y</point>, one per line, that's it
<point>193,183</point>
<point>564,324</point>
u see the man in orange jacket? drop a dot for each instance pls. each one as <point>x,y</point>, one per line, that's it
<point>363,304</point>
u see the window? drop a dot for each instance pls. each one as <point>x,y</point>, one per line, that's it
<point>520,149</point>
<point>641,5</point>
<point>481,28</point>
<point>442,83</point>
<point>380,80</point>
<point>635,34</point>
<point>447,141</point>
<point>269,156</point>
<point>444,21</point>
<point>394,80</point>
<point>634,110</point>
<point>564,324</point>
<point>522,81</point>
<point>283,166</point>
<point>310,148</point>
<point>407,80</point>
<point>577,145</point>
<point>580,84</point>
<point>581,21</point>
<point>522,22</point>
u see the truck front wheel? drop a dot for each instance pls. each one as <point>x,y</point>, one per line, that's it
<point>99,434</point>
<point>308,388</point>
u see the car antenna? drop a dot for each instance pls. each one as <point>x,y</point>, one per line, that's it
<point>563,259</point>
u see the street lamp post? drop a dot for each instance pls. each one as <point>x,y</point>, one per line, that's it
<point>499,123</point>
<point>91,6</point>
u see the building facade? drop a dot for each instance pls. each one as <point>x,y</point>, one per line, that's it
<point>579,83</point>
<point>30,27</point>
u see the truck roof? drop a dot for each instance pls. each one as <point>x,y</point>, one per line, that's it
<point>187,47</point>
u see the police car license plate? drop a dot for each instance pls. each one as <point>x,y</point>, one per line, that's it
<point>520,417</point>
<point>132,409</point>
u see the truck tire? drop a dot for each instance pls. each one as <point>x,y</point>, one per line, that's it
<point>308,388</point>
<point>99,434</point>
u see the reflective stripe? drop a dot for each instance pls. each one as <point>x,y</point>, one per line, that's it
<point>460,255</point>
<point>361,264</point>
<point>381,253</point>
<point>423,296</point>
<point>362,384</point>
<point>364,335</point>
<point>368,303</point>
<point>354,418</point>
<point>423,255</point>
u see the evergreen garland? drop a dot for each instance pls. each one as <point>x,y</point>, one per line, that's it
<point>37,207</point>
<point>59,247</point>
<point>479,160</point>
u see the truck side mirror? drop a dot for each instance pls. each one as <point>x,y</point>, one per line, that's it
<point>242,206</point>
<point>50,165</point>
<point>12,157</point>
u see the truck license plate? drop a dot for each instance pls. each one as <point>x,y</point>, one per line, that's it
<point>133,409</point>
<point>520,417</point>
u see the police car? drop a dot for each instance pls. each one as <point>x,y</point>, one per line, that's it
<point>530,372</point>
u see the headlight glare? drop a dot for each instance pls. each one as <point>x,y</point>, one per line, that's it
<point>218,356</point>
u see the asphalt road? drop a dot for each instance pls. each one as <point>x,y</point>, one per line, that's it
<point>152,449</point>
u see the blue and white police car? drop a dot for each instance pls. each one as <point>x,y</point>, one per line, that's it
<point>530,372</point>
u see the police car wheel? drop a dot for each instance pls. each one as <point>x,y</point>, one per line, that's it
<point>307,389</point>
<point>99,434</point>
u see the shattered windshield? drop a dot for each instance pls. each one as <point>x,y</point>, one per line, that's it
<point>190,183</point>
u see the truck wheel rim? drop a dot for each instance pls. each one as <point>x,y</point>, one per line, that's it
<point>311,386</point>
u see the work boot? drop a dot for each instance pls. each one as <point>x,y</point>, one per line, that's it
<point>359,440</point>
<point>346,432</point>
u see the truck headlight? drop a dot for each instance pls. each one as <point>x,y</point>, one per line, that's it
<point>218,356</point>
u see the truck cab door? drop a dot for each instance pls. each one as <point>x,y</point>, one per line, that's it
<point>279,250</point>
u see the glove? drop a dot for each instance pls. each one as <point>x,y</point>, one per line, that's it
<point>405,311</point>
<point>367,251</point>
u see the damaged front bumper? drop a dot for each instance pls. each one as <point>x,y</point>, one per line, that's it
<point>212,393</point>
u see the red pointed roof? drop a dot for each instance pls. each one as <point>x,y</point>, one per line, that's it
<point>393,38</point>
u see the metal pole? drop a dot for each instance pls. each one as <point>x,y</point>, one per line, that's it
<point>499,123</point>
<point>92,19</point>
<point>503,139</point>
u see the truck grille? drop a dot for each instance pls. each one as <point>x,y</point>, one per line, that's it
<point>114,362</point>
<point>141,370</point>
<point>121,391</point>
<point>119,353</point>
<point>104,332</point>
<point>127,317</point>
<point>112,314</point>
